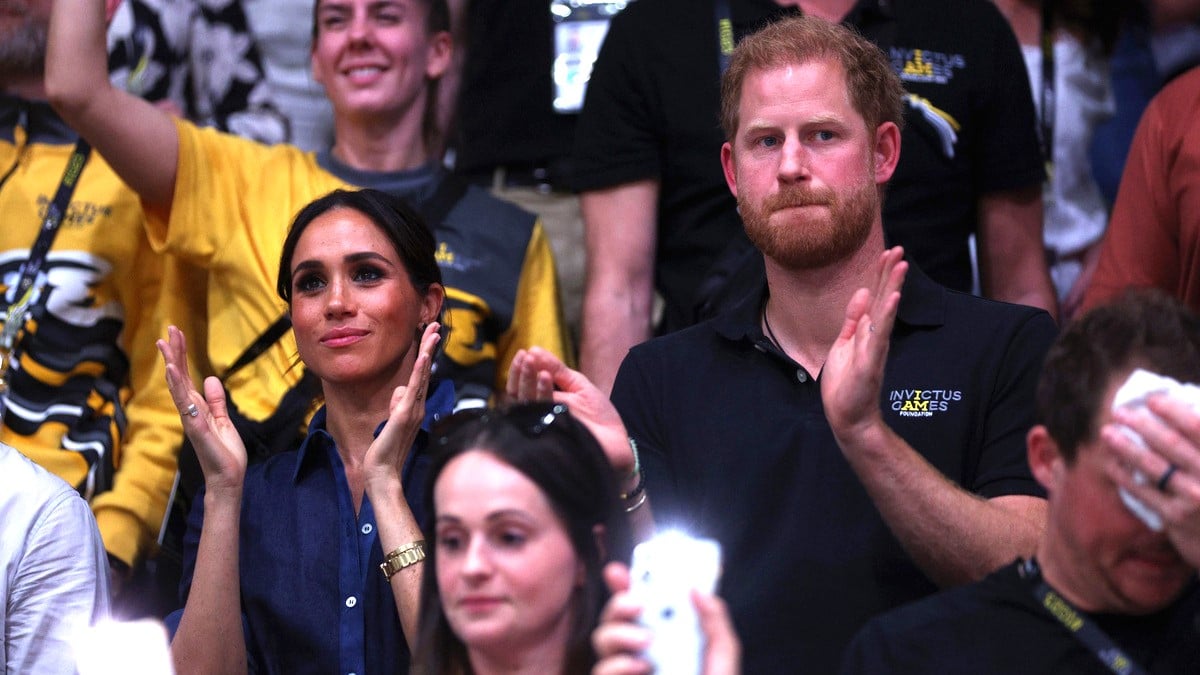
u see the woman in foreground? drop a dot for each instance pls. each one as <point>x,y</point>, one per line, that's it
<point>526,513</point>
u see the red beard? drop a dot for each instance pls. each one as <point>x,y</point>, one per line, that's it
<point>813,237</point>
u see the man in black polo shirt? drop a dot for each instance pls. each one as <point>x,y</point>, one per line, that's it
<point>1119,591</point>
<point>657,214</point>
<point>853,438</point>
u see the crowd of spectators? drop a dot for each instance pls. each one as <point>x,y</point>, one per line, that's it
<point>853,285</point>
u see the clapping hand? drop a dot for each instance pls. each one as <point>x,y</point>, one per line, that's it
<point>388,452</point>
<point>537,375</point>
<point>206,420</point>
<point>853,372</point>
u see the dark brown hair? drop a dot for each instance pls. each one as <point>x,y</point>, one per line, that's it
<point>561,457</point>
<point>403,227</point>
<point>1141,329</point>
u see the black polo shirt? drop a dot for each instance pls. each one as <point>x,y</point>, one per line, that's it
<point>652,112</point>
<point>998,627</point>
<point>736,446</point>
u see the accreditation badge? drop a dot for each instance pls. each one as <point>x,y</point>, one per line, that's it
<point>579,30</point>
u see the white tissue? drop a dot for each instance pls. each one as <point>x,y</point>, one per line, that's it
<point>1132,395</point>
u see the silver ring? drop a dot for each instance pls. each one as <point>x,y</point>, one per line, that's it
<point>192,410</point>
<point>1166,478</point>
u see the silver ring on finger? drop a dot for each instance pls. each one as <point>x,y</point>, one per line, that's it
<point>192,410</point>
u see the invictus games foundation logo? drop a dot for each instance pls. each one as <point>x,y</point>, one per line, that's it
<point>923,65</point>
<point>922,402</point>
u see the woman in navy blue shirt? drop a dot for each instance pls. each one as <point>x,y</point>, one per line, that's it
<point>287,564</point>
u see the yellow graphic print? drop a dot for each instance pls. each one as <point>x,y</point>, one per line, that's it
<point>922,402</point>
<point>917,66</point>
<point>464,315</point>
<point>943,123</point>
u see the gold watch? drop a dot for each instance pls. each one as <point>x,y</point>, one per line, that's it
<point>405,556</point>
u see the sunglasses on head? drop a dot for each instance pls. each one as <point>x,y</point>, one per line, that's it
<point>531,419</point>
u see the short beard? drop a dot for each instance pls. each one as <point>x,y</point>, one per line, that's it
<point>808,240</point>
<point>23,51</point>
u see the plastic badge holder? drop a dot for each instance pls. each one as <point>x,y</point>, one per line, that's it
<point>664,571</point>
<point>1132,395</point>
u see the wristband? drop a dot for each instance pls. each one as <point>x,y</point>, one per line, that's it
<point>640,487</point>
<point>638,493</point>
<point>636,505</point>
<point>405,556</point>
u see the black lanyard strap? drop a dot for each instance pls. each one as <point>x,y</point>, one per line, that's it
<point>1078,624</point>
<point>55,213</point>
<point>1047,93</point>
<point>25,292</point>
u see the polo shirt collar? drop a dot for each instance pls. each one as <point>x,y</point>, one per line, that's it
<point>922,304</point>
<point>439,404</point>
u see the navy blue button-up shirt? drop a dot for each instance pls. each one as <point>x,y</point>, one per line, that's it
<point>313,598</point>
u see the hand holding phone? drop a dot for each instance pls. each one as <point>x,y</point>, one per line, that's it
<point>665,569</point>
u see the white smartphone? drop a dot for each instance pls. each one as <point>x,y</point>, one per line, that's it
<point>664,571</point>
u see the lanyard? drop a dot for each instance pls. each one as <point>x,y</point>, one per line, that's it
<point>1048,102</point>
<point>1077,623</point>
<point>725,40</point>
<point>27,290</point>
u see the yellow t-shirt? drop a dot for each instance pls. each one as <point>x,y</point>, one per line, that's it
<point>88,397</point>
<point>234,201</point>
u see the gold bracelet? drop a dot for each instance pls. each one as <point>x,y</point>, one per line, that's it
<point>405,556</point>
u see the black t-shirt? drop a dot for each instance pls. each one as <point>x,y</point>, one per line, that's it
<point>736,446</point>
<point>506,111</point>
<point>998,626</point>
<point>651,112</point>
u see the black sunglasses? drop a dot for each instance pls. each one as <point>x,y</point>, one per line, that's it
<point>531,419</point>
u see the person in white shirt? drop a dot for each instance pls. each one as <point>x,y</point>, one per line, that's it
<point>53,568</point>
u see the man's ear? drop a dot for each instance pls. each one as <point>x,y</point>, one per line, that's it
<point>110,9</point>
<point>886,151</point>
<point>1045,459</point>
<point>727,165</point>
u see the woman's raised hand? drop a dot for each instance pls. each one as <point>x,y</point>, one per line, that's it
<point>387,454</point>
<point>206,420</point>
<point>538,375</point>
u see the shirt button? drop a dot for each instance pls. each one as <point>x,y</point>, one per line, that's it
<point>366,529</point>
<point>802,376</point>
<point>351,601</point>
